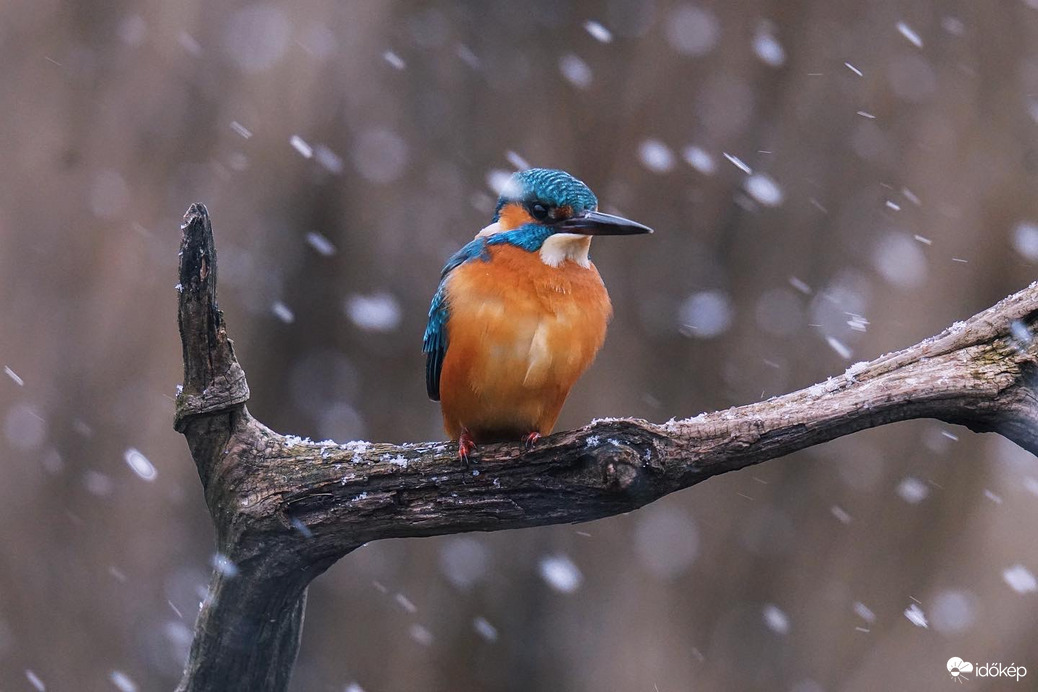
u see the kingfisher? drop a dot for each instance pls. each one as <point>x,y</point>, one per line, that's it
<point>520,312</point>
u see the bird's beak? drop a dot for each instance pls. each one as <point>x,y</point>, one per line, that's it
<point>597,223</point>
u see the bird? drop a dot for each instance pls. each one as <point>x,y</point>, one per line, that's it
<point>520,312</point>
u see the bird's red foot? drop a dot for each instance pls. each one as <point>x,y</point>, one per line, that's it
<point>466,446</point>
<point>529,439</point>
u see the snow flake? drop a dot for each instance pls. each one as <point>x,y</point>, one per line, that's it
<point>598,32</point>
<point>776,619</point>
<point>140,464</point>
<point>768,49</point>
<point>699,159</point>
<point>910,34</point>
<point>320,244</point>
<point>916,615</point>
<point>575,70</point>
<point>738,163</point>
<point>764,189</point>
<point>122,681</point>
<point>14,376</point>
<point>300,145</point>
<point>394,60</point>
<point>560,573</point>
<point>1020,579</point>
<point>912,490</point>
<point>656,156</point>
<point>485,629</point>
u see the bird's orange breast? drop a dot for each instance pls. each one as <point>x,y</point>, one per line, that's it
<point>520,334</point>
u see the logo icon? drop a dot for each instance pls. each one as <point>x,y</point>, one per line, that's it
<point>957,667</point>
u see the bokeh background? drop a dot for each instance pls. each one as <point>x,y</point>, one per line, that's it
<point>829,180</point>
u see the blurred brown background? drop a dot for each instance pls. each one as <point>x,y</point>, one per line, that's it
<point>345,149</point>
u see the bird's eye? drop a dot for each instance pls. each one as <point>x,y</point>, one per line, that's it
<point>539,211</point>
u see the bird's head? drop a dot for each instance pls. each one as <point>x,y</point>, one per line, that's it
<point>547,210</point>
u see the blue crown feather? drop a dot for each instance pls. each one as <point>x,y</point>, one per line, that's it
<point>553,187</point>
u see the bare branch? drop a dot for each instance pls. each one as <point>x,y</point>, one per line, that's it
<point>285,509</point>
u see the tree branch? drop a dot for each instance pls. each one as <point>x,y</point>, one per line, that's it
<point>285,508</point>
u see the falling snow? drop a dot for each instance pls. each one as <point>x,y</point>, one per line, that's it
<point>139,464</point>
<point>800,285</point>
<point>667,541</point>
<point>1021,333</point>
<point>24,427</point>
<point>516,160</point>
<point>738,163</point>
<point>378,312</point>
<point>776,619</point>
<point>598,32</point>
<point>405,603</point>
<point>240,129</point>
<point>953,26</point>
<point>899,259</point>
<point>14,376</point>
<point>706,314</point>
<point>699,159</point>
<point>34,680</point>
<point>864,612</point>
<point>575,70</point>
<point>912,490</point>
<point>463,561</point>
<point>916,615</point>
<point>300,145</point>
<point>560,573</point>
<point>841,514</point>
<point>122,681</point>
<point>379,155</point>
<point>841,348</point>
<point>953,611</point>
<point>857,322</point>
<point>320,244</point>
<point>346,154</point>
<point>1025,240</point>
<point>485,629</point>
<point>692,30</point>
<point>283,312</point>
<point>257,37</point>
<point>394,60</point>
<point>189,44</point>
<point>910,34</point>
<point>133,30</point>
<point>328,159</point>
<point>421,634</point>
<point>224,565</point>
<point>764,189</point>
<point>1020,579</point>
<point>767,48</point>
<point>656,156</point>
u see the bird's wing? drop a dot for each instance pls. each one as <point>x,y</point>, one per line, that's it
<point>435,342</point>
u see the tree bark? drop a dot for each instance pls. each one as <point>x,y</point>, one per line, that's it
<point>286,508</point>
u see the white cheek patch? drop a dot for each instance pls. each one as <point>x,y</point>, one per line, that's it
<point>489,230</point>
<point>566,246</point>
